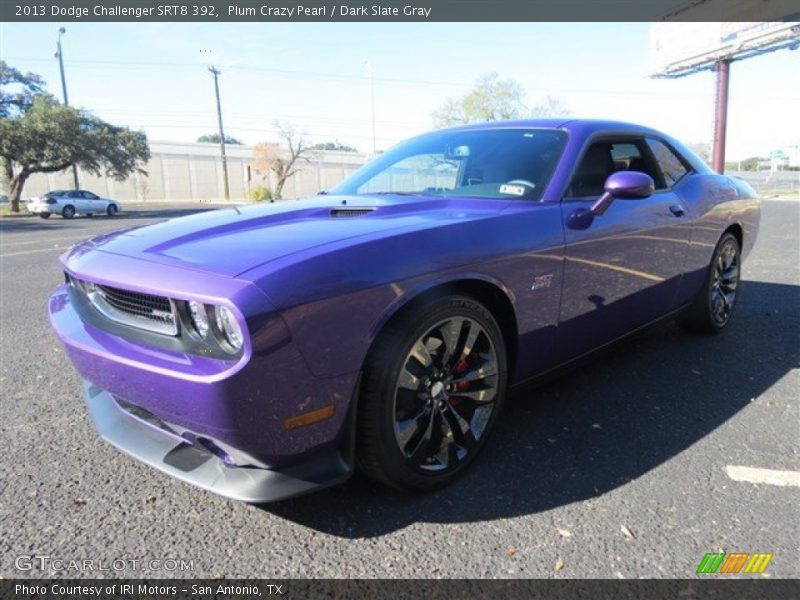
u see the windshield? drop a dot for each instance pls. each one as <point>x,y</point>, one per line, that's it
<point>494,163</point>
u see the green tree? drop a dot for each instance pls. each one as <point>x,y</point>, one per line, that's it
<point>751,164</point>
<point>213,138</point>
<point>49,137</point>
<point>17,91</point>
<point>334,146</point>
<point>495,99</point>
<point>490,99</point>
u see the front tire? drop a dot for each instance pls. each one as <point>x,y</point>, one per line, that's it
<point>111,210</point>
<point>44,215</point>
<point>68,212</point>
<point>714,306</point>
<point>431,391</point>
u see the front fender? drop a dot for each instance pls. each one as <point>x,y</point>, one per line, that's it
<point>418,287</point>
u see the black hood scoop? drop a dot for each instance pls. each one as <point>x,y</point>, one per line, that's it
<point>354,211</point>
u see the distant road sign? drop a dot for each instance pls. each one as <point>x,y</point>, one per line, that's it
<point>678,49</point>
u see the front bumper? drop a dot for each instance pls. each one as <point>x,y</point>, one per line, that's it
<point>242,404</point>
<point>196,464</point>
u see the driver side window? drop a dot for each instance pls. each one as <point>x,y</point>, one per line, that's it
<point>606,157</point>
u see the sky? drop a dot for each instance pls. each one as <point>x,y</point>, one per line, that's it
<point>154,76</point>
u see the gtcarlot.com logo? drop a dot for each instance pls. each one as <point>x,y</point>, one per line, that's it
<point>45,562</point>
<point>734,562</point>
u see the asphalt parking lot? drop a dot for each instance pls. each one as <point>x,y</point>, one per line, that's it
<point>614,470</point>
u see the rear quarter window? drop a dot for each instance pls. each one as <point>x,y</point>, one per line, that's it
<point>671,165</point>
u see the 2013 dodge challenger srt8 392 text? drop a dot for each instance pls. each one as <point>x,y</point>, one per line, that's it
<point>264,352</point>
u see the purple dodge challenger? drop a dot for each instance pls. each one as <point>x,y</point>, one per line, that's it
<point>264,352</point>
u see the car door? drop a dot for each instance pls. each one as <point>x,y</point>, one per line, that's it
<point>76,199</point>
<point>624,269</point>
<point>93,203</point>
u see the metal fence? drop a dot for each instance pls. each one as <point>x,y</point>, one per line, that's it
<point>767,182</point>
<point>193,172</point>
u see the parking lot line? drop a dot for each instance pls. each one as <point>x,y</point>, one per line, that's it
<point>5,243</point>
<point>768,476</point>
<point>59,249</point>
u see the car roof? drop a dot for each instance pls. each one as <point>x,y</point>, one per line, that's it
<point>585,126</point>
<point>62,192</point>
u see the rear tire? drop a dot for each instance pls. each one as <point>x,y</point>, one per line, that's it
<point>68,212</point>
<point>111,210</point>
<point>431,390</point>
<point>713,308</point>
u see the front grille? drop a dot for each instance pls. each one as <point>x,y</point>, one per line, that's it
<point>143,311</point>
<point>142,305</point>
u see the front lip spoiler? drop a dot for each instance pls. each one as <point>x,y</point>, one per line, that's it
<point>203,469</point>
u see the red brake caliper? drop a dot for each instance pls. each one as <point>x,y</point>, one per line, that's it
<point>459,369</point>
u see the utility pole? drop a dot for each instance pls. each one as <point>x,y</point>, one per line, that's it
<point>721,115</point>
<point>368,65</point>
<point>216,72</point>
<point>60,55</point>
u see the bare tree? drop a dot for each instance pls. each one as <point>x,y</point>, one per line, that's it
<point>281,162</point>
<point>702,149</point>
<point>550,107</point>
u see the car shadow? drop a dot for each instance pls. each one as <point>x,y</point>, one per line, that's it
<point>610,421</point>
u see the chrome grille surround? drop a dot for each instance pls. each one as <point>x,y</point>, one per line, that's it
<point>157,314</point>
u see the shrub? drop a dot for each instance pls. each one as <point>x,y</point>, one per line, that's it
<point>260,193</point>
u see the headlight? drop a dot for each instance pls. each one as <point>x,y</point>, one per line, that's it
<point>229,327</point>
<point>199,317</point>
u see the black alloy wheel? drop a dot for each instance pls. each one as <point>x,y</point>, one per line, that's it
<point>714,305</point>
<point>431,391</point>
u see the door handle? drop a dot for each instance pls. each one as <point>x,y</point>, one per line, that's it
<point>677,210</point>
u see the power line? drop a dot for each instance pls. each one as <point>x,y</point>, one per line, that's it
<point>266,130</point>
<point>366,79</point>
<point>170,115</point>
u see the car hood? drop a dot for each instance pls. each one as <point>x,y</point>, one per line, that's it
<point>234,240</point>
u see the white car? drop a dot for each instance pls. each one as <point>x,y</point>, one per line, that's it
<point>68,203</point>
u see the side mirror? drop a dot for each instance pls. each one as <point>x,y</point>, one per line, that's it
<point>625,185</point>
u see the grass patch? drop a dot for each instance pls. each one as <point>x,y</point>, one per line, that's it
<point>5,212</point>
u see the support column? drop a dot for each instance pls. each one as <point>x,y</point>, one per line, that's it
<point>721,115</point>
